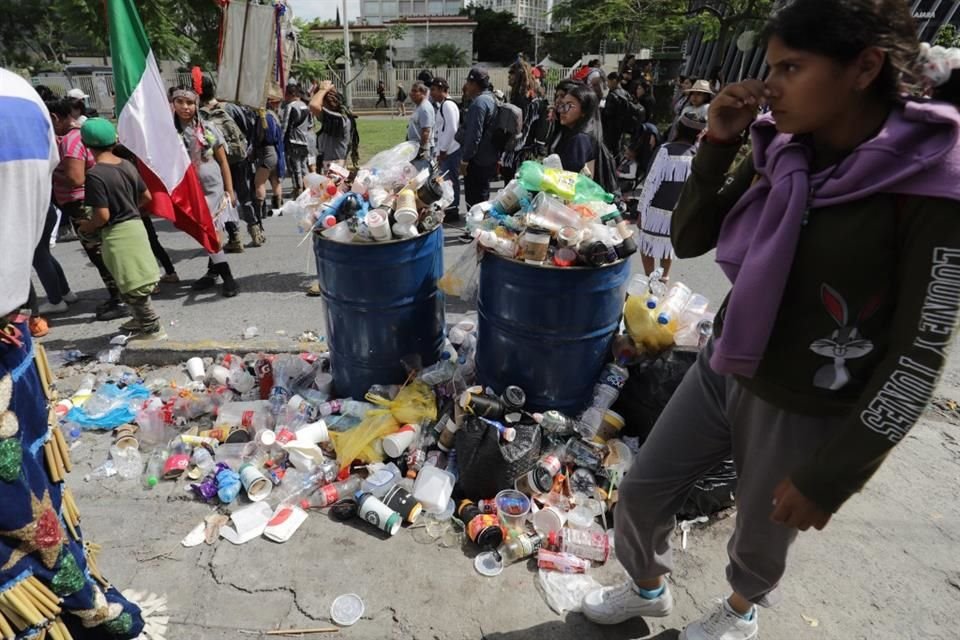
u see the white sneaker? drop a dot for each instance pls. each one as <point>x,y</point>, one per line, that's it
<point>723,623</point>
<point>71,297</point>
<point>47,309</point>
<point>613,605</point>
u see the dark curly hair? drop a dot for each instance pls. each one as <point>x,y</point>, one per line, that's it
<point>841,29</point>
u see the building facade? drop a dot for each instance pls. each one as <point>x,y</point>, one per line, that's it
<point>382,11</point>
<point>533,14</point>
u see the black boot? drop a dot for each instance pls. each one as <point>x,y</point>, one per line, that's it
<point>208,280</point>
<point>230,287</point>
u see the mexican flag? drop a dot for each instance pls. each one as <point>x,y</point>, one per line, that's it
<point>145,126</point>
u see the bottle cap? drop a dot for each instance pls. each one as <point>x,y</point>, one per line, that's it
<point>488,564</point>
<point>514,397</point>
<point>565,257</point>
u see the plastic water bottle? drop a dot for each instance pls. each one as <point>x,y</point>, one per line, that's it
<point>204,460</point>
<point>280,393</point>
<point>439,373</point>
<point>355,408</point>
<point>154,472</point>
<point>127,462</point>
<point>605,393</point>
<point>673,305</point>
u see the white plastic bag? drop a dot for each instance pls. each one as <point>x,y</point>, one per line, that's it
<point>463,278</point>
<point>565,591</point>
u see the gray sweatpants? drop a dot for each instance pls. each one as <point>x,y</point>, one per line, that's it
<point>710,416</point>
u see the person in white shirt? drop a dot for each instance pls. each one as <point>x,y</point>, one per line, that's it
<point>447,148</point>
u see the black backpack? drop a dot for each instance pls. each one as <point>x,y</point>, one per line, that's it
<point>507,127</point>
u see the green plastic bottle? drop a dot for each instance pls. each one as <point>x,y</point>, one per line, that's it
<point>574,187</point>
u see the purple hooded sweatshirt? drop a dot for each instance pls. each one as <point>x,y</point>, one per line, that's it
<point>914,154</point>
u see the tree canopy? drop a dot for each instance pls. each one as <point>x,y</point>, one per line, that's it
<point>319,56</point>
<point>40,34</point>
<point>498,36</point>
<point>444,55</point>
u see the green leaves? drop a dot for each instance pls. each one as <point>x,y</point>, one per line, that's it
<point>444,55</point>
<point>498,36</point>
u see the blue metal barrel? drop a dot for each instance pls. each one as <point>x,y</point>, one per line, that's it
<point>547,330</point>
<point>381,304</point>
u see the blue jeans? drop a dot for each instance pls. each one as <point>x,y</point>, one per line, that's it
<point>47,267</point>
<point>451,165</point>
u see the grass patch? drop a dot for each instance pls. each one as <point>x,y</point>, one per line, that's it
<point>377,134</point>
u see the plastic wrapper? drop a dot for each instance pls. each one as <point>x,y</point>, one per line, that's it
<point>462,280</point>
<point>413,404</point>
<point>564,592</point>
<point>358,443</point>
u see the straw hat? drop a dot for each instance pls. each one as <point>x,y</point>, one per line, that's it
<point>700,86</point>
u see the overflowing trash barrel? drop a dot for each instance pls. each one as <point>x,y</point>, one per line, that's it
<point>547,330</point>
<point>381,305</point>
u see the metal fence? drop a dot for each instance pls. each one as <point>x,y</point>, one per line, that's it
<point>99,86</point>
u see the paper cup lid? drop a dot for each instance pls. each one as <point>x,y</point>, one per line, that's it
<point>488,564</point>
<point>346,609</point>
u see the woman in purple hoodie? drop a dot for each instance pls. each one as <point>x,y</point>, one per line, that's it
<point>841,236</point>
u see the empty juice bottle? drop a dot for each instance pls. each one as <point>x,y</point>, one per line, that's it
<point>330,493</point>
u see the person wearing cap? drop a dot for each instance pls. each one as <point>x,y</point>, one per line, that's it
<point>446,145</point>
<point>698,100</point>
<point>478,162</point>
<point>115,192</point>
<point>78,105</point>
<point>421,124</point>
<point>661,192</point>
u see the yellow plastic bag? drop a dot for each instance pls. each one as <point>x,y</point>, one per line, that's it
<point>358,443</point>
<point>415,403</point>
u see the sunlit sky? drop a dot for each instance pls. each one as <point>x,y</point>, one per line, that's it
<point>326,9</point>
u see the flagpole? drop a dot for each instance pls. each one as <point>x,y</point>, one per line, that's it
<point>347,88</point>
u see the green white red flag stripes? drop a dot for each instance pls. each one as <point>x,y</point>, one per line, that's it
<point>145,126</point>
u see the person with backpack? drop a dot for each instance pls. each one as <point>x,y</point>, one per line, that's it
<point>839,234</point>
<point>297,124</point>
<point>268,155</point>
<point>478,162</point>
<point>237,149</point>
<point>448,149</point>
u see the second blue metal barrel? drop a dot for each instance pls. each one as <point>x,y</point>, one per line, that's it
<point>381,304</point>
<point>547,330</point>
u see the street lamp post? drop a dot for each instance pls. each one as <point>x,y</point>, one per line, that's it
<point>347,87</point>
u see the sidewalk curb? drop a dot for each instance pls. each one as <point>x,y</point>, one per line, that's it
<point>168,352</point>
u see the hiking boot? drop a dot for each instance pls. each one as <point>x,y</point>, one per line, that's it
<point>131,325</point>
<point>722,623</point>
<point>169,278</point>
<point>229,288</point>
<point>256,235</point>
<point>38,327</point>
<point>148,333</point>
<point>233,246</point>
<point>112,310</point>
<point>616,604</point>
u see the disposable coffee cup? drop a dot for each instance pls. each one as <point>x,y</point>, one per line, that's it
<point>406,216</point>
<point>219,374</point>
<point>254,483</point>
<point>379,225</point>
<point>396,444</point>
<point>195,369</point>
<point>403,502</point>
<point>315,432</point>
<point>324,382</point>
<point>548,520</point>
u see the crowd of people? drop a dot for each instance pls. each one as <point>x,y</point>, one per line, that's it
<point>237,152</point>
